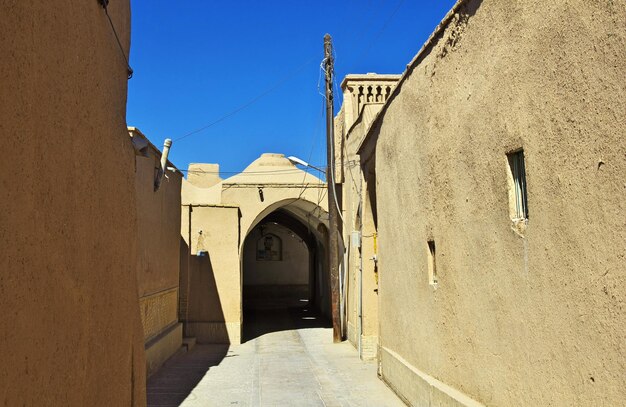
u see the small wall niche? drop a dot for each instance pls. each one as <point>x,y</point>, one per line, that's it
<point>518,197</point>
<point>432,264</point>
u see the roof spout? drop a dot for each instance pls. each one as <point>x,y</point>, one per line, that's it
<point>166,151</point>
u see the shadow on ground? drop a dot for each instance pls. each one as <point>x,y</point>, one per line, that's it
<point>178,377</point>
<point>180,374</point>
<point>262,316</point>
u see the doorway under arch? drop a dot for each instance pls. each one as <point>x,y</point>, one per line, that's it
<point>284,273</point>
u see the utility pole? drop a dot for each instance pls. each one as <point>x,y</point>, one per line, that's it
<point>333,213</point>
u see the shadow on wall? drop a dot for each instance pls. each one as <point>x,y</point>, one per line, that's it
<point>201,312</point>
<point>173,383</point>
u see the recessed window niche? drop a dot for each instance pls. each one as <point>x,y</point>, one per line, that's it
<point>432,264</point>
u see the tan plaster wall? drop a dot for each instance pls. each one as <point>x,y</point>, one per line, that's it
<point>204,175</point>
<point>214,302</point>
<point>292,269</point>
<point>361,256</point>
<point>158,222</point>
<point>211,286</point>
<point>362,279</point>
<point>370,276</point>
<point>193,195</point>
<point>532,320</point>
<point>282,183</point>
<point>163,347</point>
<point>349,205</point>
<point>158,255</point>
<point>70,332</point>
<point>283,186</point>
<point>158,312</point>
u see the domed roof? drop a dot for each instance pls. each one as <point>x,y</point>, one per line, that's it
<point>272,168</point>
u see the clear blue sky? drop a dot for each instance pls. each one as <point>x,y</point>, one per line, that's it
<point>197,60</point>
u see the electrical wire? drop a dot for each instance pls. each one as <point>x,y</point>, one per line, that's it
<point>305,186</point>
<point>105,4</point>
<point>331,164</point>
<point>250,102</point>
<point>377,36</point>
<point>321,194</point>
<point>338,95</point>
<point>349,164</point>
<point>289,170</point>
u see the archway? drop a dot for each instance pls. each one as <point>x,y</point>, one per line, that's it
<point>284,275</point>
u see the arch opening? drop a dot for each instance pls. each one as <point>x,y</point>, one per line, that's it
<point>284,276</point>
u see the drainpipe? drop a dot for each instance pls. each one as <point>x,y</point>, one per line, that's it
<point>361,303</point>
<point>166,151</point>
<point>361,272</point>
<point>188,276</point>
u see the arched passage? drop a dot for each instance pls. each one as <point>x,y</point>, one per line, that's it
<point>217,226</point>
<point>285,285</point>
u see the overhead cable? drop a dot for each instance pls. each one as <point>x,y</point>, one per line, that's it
<point>377,36</point>
<point>250,102</point>
<point>105,4</point>
<point>287,170</point>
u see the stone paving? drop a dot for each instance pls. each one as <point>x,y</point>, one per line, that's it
<point>282,364</point>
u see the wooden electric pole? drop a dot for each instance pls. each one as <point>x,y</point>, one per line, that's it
<point>333,213</point>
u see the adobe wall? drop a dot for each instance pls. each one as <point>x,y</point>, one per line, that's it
<point>210,274</point>
<point>362,289</point>
<point>203,175</point>
<point>281,185</point>
<point>530,318</point>
<point>364,96</point>
<point>215,222</point>
<point>159,226</point>
<point>158,259</point>
<point>70,330</point>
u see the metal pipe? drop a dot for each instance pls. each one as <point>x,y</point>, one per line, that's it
<point>166,151</point>
<point>361,270</point>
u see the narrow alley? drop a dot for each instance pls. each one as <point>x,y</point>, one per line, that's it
<point>351,203</point>
<point>288,358</point>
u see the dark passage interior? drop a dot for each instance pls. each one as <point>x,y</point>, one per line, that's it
<point>285,284</point>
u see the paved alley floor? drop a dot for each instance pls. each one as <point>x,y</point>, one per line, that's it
<point>280,365</point>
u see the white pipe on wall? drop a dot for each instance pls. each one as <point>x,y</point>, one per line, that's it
<point>166,151</point>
